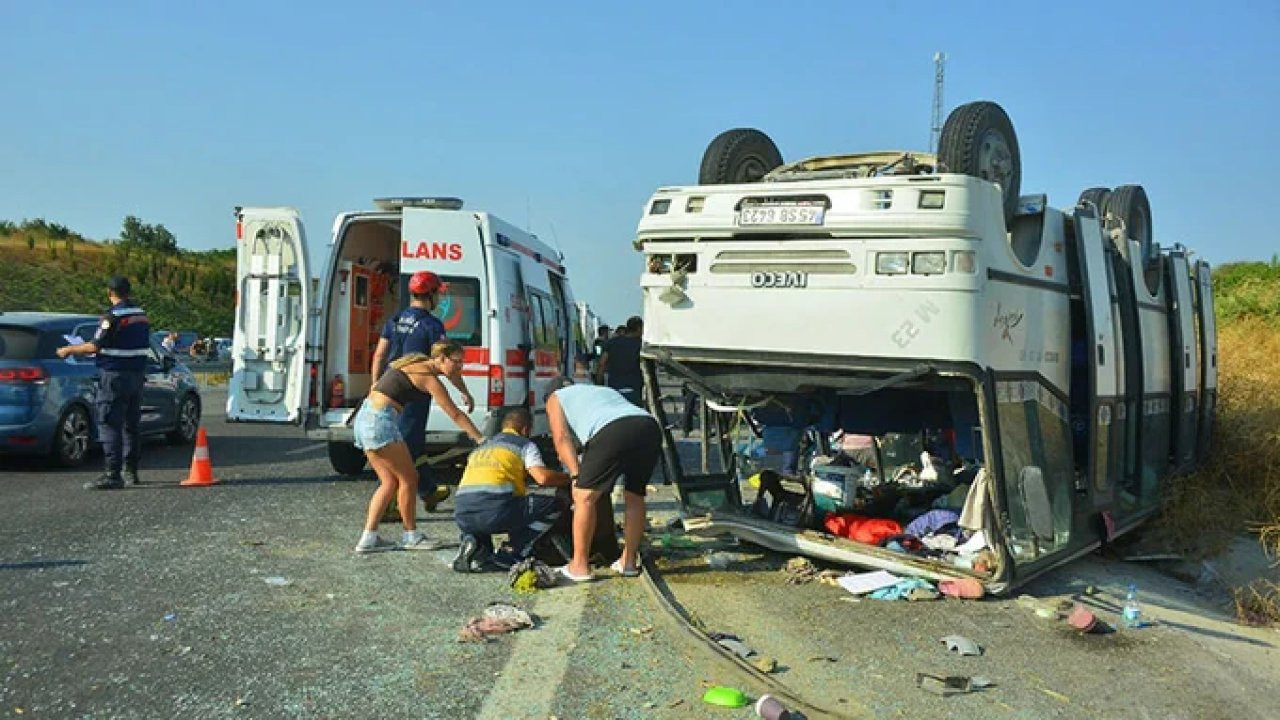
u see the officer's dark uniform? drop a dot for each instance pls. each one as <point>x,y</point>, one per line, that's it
<point>123,340</point>
<point>414,330</point>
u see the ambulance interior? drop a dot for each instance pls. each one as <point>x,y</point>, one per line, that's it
<point>364,291</point>
<point>893,467</point>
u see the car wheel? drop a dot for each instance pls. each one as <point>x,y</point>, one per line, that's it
<point>346,458</point>
<point>741,155</point>
<point>71,437</point>
<point>978,140</point>
<point>184,433</point>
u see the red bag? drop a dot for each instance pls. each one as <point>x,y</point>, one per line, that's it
<point>860,528</point>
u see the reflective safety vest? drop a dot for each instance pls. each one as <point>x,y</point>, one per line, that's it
<point>496,466</point>
<point>123,338</point>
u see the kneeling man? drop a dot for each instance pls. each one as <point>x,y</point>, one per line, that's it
<point>492,497</point>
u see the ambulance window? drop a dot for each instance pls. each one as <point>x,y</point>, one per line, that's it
<point>459,310</point>
<point>539,328</point>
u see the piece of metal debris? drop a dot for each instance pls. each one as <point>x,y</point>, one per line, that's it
<point>961,644</point>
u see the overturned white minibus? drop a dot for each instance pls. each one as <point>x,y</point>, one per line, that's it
<point>905,333</point>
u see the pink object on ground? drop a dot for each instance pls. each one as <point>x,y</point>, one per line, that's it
<point>966,588</point>
<point>1082,619</point>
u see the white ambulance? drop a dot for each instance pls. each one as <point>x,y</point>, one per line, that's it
<point>303,346</point>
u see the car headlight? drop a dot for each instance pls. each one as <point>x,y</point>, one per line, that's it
<point>891,263</point>
<point>929,263</point>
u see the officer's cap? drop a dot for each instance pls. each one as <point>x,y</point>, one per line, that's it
<point>118,285</point>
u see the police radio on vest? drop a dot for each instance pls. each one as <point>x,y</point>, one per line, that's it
<point>431,251</point>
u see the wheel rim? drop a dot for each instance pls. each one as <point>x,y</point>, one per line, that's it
<point>74,435</point>
<point>750,170</point>
<point>188,418</point>
<point>995,159</point>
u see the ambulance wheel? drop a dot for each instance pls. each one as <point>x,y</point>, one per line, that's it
<point>1097,197</point>
<point>346,459</point>
<point>978,140</point>
<point>741,155</point>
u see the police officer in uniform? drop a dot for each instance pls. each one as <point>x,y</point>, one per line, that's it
<point>415,330</point>
<point>122,344</point>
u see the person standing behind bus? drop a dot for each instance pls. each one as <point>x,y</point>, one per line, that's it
<point>620,363</point>
<point>414,330</point>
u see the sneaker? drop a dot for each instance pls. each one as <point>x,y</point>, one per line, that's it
<point>422,542</point>
<point>105,482</point>
<point>440,494</point>
<point>378,545</point>
<point>130,477</point>
<point>466,554</point>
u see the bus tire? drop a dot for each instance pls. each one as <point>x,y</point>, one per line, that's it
<point>1128,209</point>
<point>978,140</point>
<point>740,155</point>
<point>346,458</point>
<point>1097,197</point>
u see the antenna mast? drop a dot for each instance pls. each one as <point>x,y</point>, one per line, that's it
<point>935,128</point>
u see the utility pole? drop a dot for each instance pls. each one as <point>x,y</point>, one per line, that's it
<point>935,128</point>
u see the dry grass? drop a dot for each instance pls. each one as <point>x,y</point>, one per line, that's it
<point>1239,487</point>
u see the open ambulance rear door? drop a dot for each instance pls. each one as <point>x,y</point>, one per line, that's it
<point>450,244</point>
<point>269,372</point>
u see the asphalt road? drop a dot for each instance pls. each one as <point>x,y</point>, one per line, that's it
<point>157,602</point>
<point>160,601</point>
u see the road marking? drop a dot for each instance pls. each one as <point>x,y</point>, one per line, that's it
<point>539,658</point>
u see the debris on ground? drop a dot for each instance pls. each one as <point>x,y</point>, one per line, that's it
<point>913,589</point>
<point>862,583</point>
<point>732,643</point>
<point>951,684</point>
<point>800,570</point>
<point>724,560</point>
<point>277,581</point>
<point>765,664</point>
<point>964,588</point>
<point>961,644</point>
<point>497,619</point>
<point>1083,619</point>
<point>642,631</point>
<point>530,575</point>
<point>725,697</point>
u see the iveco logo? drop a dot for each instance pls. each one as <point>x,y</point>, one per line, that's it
<point>775,279</point>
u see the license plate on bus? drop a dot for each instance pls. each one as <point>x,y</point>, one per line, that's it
<point>781,215</point>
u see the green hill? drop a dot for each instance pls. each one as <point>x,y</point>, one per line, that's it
<point>49,267</point>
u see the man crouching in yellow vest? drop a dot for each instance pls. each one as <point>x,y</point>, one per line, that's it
<point>492,497</point>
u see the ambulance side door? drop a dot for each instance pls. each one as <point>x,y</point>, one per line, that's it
<point>269,373</point>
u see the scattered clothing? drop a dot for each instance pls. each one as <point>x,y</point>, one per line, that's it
<point>966,588</point>
<point>974,515</point>
<point>931,522</point>
<point>903,590</point>
<point>862,529</point>
<point>530,575</point>
<point>497,619</point>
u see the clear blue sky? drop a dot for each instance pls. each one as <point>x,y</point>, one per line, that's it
<point>563,117</point>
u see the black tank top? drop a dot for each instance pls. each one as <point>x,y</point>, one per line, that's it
<point>397,386</point>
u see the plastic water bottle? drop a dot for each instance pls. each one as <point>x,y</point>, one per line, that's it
<point>1132,613</point>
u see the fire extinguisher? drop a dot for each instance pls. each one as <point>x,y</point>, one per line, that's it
<point>337,392</point>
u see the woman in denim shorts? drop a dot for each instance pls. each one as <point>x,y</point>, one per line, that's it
<point>378,434</point>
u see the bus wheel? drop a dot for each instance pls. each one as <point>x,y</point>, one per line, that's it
<point>1097,197</point>
<point>1128,209</point>
<point>346,458</point>
<point>978,140</point>
<point>741,155</point>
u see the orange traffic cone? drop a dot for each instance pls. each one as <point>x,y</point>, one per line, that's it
<point>201,469</point>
